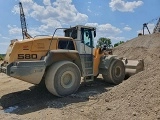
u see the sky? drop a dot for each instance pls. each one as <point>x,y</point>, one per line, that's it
<point>119,20</point>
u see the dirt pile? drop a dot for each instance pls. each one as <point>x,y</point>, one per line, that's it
<point>139,96</point>
<point>145,47</point>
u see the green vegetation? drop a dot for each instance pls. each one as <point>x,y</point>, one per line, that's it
<point>2,56</point>
<point>120,42</point>
<point>101,41</point>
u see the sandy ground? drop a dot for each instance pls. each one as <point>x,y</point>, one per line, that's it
<point>137,98</point>
<point>21,100</point>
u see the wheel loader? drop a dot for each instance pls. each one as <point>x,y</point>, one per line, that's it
<point>62,62</point>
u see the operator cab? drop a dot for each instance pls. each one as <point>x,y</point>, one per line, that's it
<point>84,39</point>
<point>83,36</point>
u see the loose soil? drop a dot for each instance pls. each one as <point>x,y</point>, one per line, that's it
<point>137,98</point>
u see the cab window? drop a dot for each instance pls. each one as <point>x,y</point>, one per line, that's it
<point>87,37</point>
<point>66,44</point>
<point>71,33</point>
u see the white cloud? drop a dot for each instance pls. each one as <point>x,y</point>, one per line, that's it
<point>123,6</point>
<point>16,9</point>
<point>14,30</point>
<point>127,28</point>
<point>92,24</point>
<point>50,15</point>
<point>61,11</point>
<point>107,31</point>
<point>46,2</point>
<point>49,24</point>
<point>26,7</point>
<point>34,31</point>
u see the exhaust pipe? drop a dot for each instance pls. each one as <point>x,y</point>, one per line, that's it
<point>133,66</point>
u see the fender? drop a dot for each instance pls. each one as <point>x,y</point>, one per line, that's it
<point>105,62</point>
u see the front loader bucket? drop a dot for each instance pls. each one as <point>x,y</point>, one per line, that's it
<point>133,66</point>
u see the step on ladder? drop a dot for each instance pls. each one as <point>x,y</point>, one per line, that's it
<point>87,64</point>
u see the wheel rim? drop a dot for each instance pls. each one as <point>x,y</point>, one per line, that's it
<point>117,71</point>
<point>67,79</point>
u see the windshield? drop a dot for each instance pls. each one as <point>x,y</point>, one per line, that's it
<point>87,37</point>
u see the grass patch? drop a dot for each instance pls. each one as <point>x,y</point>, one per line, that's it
<point>2,56</point>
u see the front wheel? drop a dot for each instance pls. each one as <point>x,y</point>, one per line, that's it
<point>116,72</point>
<point>63,78</point>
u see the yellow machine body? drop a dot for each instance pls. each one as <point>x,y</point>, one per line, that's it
<point>61,61</point>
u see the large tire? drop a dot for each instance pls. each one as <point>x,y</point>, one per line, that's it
<point>63,78</point>
<point>95,77</point>
<point>116,72</point>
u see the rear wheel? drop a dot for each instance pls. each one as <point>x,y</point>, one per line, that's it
<point>116,72</point>
<point>63,78</point>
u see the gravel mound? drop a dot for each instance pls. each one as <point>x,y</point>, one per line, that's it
<point>137,98</point>
<point>145,47</point>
